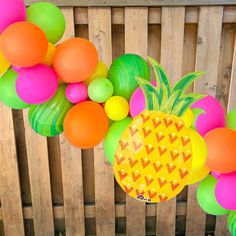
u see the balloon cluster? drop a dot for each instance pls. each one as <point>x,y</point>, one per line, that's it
<point>67,88</point>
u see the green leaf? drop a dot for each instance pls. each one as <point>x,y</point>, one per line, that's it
<point>163,83</point>
<point>184,84</point>
<point>150,93</point>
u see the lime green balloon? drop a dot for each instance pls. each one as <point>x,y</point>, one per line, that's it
<point>232,222</point>
<point>113,136</point>
<point>47,119</point>
<point>231,120</point>
<point>206,197</point>
<point>100,89</point>
<point>8,94</point>
<point>49,18</point>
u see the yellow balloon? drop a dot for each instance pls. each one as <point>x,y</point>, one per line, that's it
<point>196,176</point>
<point>188,118</point>
<point>116,108</point>
<point>199,150</point>
<point>4,63</point>
<point>100,71</point>
<point>50,53</point>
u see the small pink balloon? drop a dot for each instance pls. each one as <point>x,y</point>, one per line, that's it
<point>213,115</point>
<point>77,92</point>
<point>225,191</point>
<point>37,84</point>
<point>16,68</point>
<point>11,11</point>
<point>137,101</point>
<point>215,174</point>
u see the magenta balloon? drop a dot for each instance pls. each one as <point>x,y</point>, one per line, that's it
<point>36,85</point>
<point>213,115</point>
<point>225,191</point>
<point>76,92</point>
<point>11,11</point>
<point>137,102</point>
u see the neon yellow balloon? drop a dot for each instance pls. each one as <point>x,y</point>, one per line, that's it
<point>188,118</point>
<point>116,108</point>
<point>196,176</point>
<point>101,71</point>
<point>4,63</point>
<point>199,150</point>
<point>50,53</point>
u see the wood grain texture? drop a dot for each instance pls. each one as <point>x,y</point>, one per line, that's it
<point>136,32</point>
<point>104,3</point>
<point>232,92</point>
<point>100,35</point>
<point>207,59</point>
<point>38,165</point>
<point>222,227</point>
<point>154,15</point>
<point>71,164</point>
<point>172,38</point>
<point>9,177</point>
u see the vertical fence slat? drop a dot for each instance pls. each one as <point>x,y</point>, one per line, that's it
<point>207,59</point>
<point>222,227</point>
<point>100,34</point>
<point>172,40</point>
<point>9,177</point>
<point>136,31</point>
<point>232,92</point>
<point>71,164</point>
<point>38,164</point>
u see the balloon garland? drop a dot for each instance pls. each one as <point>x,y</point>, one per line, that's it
<point>158,137</point>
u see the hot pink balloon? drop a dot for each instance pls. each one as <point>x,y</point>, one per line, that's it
<point>215,174</point>
<point>137,102</point>
<point>213,115</point>
<point>36,85</point>
<point>76,92</point>
<point>11,11</point>
<point>225,191</point>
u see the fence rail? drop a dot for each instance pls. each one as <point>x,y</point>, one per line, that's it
<point>47,186</point>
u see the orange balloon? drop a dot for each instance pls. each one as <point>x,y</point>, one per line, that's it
<point>75,60</point>
<point>24,44</point>
<point>86,124</point>
<point>221,147</point>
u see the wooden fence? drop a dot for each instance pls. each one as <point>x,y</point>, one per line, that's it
<point>47,186</point>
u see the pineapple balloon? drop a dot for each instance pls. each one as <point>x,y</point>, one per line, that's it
<point>154,156</point>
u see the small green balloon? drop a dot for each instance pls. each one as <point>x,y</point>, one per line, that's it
<point>232,222</point>
<point>113,136</point>
<point>100,89</point>
<point>47,119</point>
<point>231,120</point>
<point>8,94</point>
<point>49,18</point>
<point>206,197</point>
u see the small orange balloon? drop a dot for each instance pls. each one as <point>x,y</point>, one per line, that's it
<point>24,44</point>
<point>86,124</point>
<point>75,60</point>
<point>221,147</point>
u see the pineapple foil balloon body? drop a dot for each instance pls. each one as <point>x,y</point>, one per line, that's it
<point>154,155</point>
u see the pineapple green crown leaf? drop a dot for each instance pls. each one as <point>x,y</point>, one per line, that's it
<point>167,99</point>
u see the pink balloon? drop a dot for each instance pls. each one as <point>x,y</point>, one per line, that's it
<point>36,85</point>
<point>225,191</point>
<point>137,102</point>
<point>213,115</point>
<point>11,11</point>
<point>16,68</point>
<point>215,174</point>
<point>76,92</point>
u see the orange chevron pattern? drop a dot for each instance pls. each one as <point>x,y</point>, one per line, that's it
<point>154,157</point>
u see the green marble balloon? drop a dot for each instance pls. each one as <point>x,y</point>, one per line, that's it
<point>123,73</point>
<point>47,118</point>
<point>232,222</point>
